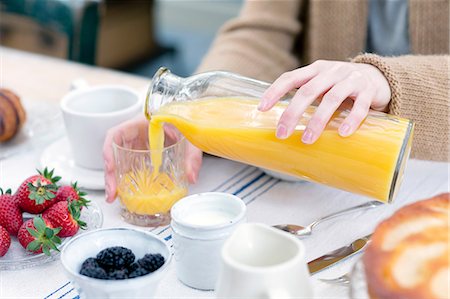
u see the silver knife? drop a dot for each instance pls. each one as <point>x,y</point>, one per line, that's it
<point>335,256</point>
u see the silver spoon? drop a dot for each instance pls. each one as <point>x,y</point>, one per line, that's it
<point>302,231</point>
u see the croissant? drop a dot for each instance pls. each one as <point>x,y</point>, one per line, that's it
<point>12,114</point>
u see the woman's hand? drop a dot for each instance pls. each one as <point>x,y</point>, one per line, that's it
<point>128,132</point>
<point>335,81</point>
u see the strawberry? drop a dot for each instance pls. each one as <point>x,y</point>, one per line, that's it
<point>10,213</point>
<point>5,241</point>
<point>38,192</point>
<point>72,192</point>
<point>65,214</point>
<point>38,235</point>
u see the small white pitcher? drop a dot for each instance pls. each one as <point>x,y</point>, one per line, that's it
<point>259,261</point>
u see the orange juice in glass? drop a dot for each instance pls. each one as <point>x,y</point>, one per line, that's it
<point>149,181</point>
<point>218,113</point>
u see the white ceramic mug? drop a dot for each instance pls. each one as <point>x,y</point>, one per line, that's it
<point>201,223</point>
<point>259,261</point>
<point>89,112</point>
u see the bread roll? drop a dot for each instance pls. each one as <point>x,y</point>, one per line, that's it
<point>408,256</point>
<point>12,115</point>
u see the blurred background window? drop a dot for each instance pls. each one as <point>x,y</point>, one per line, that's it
<point>136,36</point>
<point>189,27</point>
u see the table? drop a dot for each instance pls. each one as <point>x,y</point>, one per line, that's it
<point>269,200</point>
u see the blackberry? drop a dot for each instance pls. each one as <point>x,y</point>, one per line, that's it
<point>96,272</point>
<point>151,262</point>
<point>133,267</point>
<point>139,271</point>
<point>118,274</point>
<point>115,257</point>
<point>90,263</point>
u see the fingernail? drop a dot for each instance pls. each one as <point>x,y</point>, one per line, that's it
<point>281,132</point>
<point>344,130</point>
<point>190,174</point>
<point>107,192</point>
<point>307,136</point>
<point>194,179</point>
<point>262,106</point>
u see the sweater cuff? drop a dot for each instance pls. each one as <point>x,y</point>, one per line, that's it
<point>389,70</point>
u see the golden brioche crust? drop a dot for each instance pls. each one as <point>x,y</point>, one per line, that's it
<point>12,114</point>
<point>408,256</point>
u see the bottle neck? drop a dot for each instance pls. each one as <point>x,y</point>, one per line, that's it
<point>163,90</point>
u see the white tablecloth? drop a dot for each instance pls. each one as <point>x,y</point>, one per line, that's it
<point>269,201</point>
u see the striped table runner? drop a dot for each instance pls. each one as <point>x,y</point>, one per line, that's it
<point>247,182</point>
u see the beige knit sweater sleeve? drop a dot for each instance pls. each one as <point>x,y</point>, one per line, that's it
<point>259,42</point>
<point>420,92</point>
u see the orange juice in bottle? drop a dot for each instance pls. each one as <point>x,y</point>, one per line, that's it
<point>217,112</point>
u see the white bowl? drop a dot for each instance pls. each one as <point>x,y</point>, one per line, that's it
<point>89,244</point>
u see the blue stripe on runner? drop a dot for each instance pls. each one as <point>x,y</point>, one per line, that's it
<point>264,191</point>
<point>76,297</point>
<point>240,180</point>
<point>257,185</point>
<point>63,295</point>
<point>257,188</point>
<point>56,290</point>
<point>168,238</point>
<point>231,178</point>
<point>249,183</point>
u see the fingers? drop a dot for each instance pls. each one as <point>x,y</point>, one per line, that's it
<point>193,162</point>
<point>133,134</point>
<point>284,84</point>
<point>110,165</point>
<point>303,98</point>
<point>331,101</point>
<point>193,156</point>
<point>121,134</point>
<point>110,187</point>
<point>171,132</point>
<point>358,113</point>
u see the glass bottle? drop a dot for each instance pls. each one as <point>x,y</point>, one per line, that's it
<point>217,112</point>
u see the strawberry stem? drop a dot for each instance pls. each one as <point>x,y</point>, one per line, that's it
<point>45,237</point>
<point>40,193</point>
<point>49,175</point>
<point>83,202</point>
<point>74,207</point>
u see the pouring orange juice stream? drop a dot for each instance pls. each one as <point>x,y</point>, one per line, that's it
<point>233,128</point>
